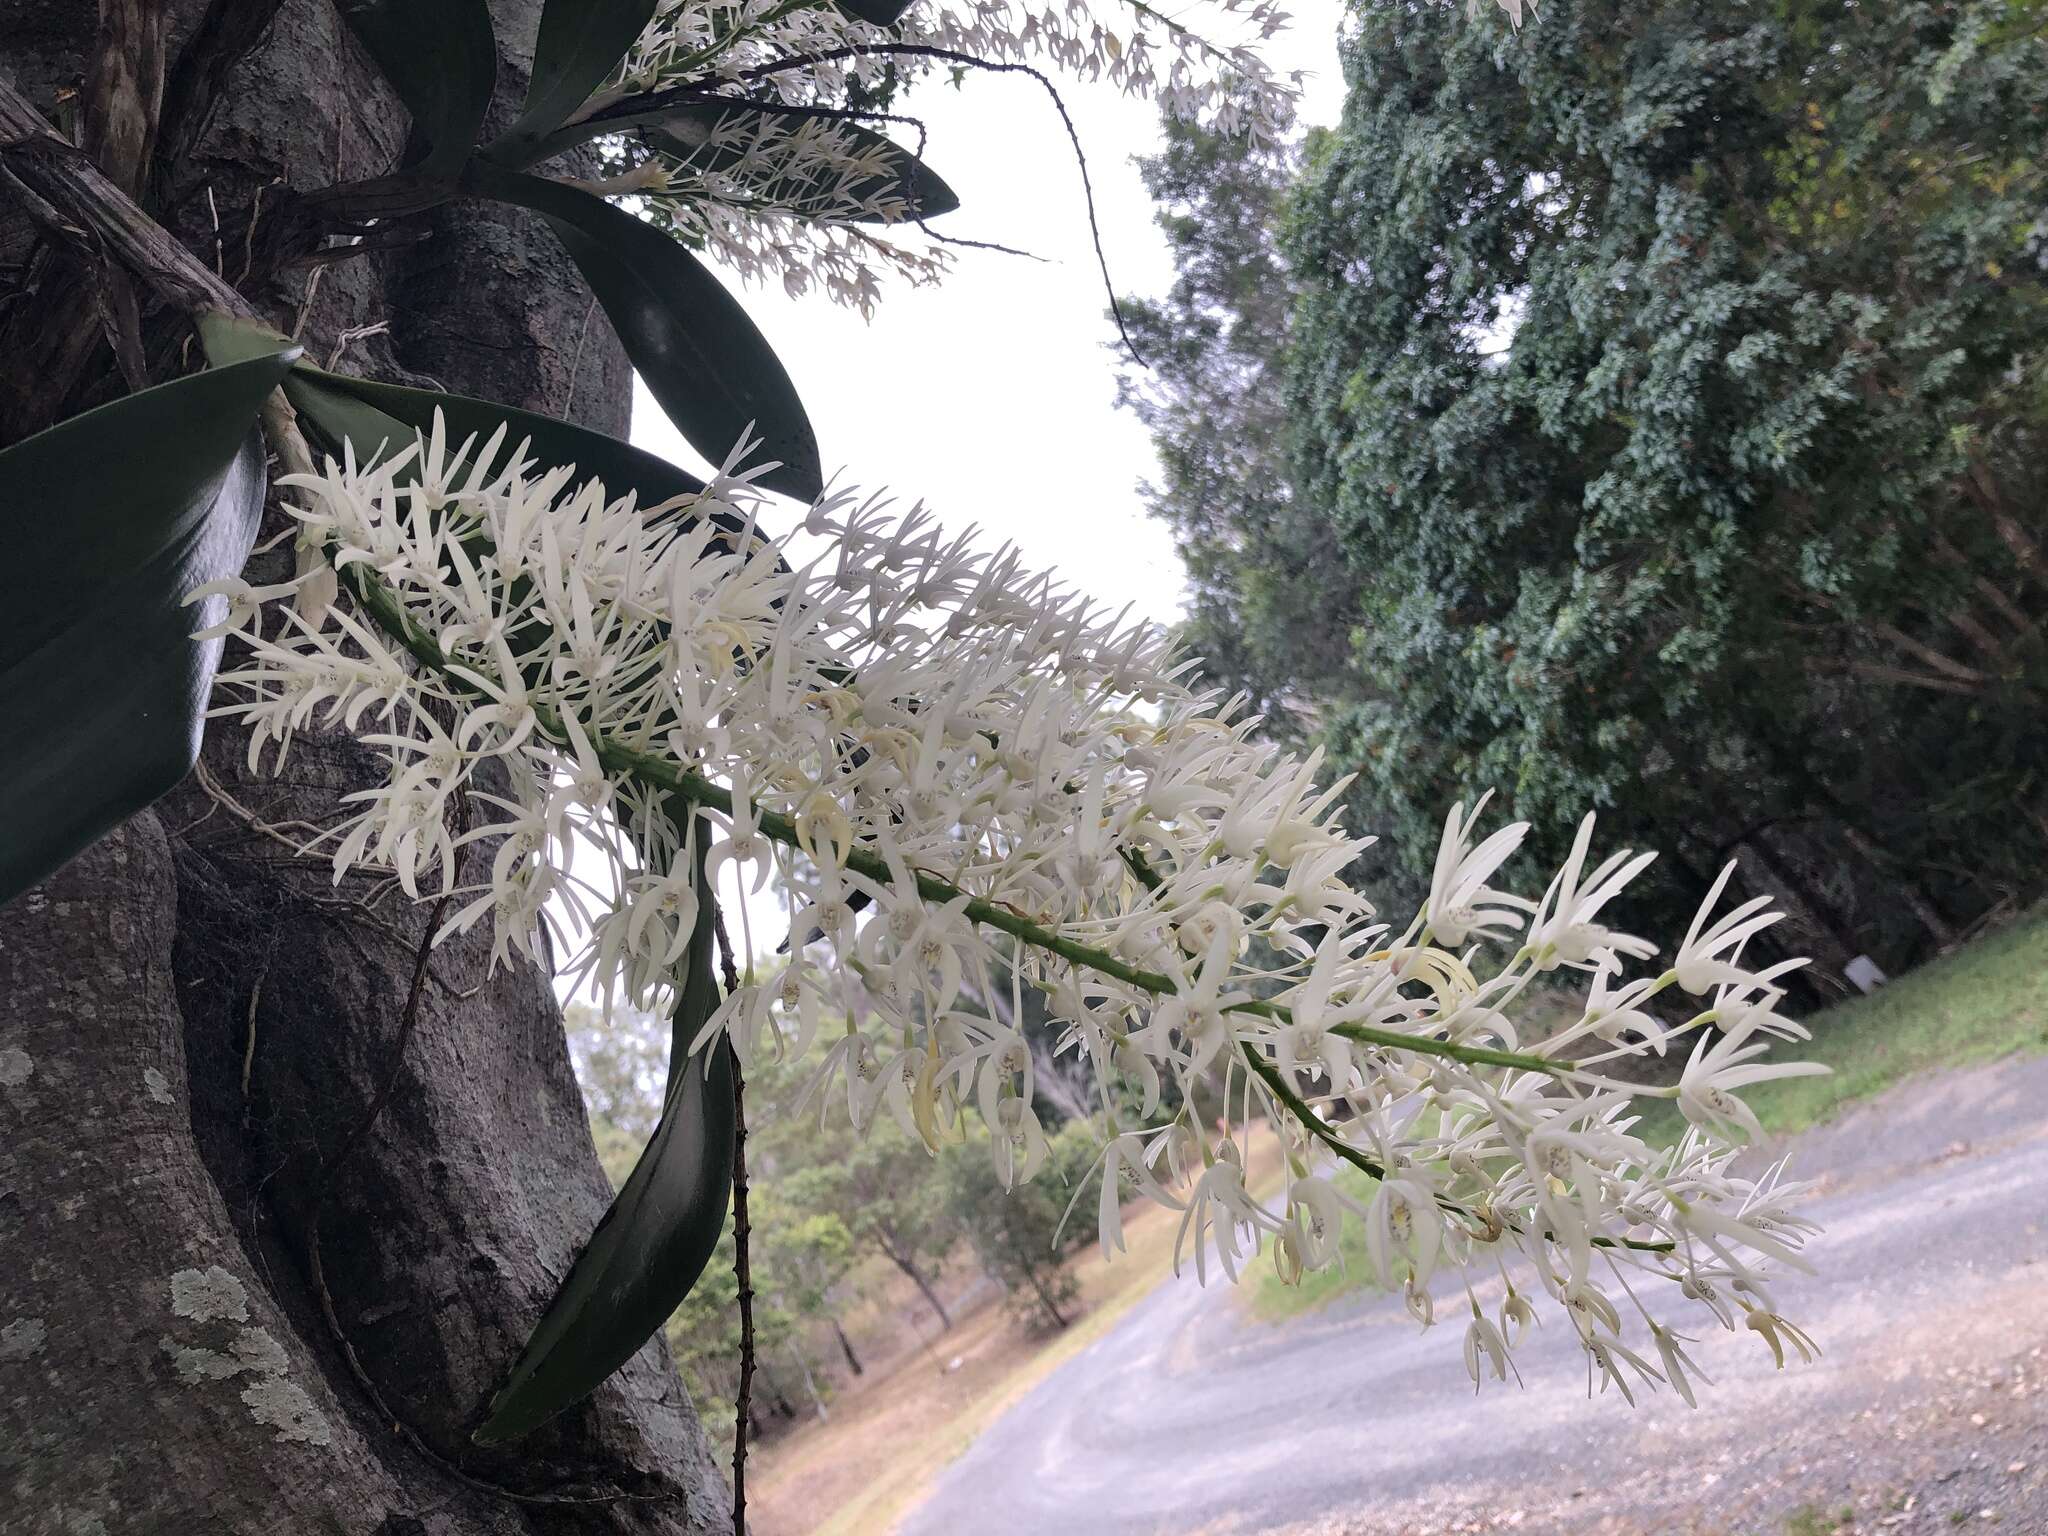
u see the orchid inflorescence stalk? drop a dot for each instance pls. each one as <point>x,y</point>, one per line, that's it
<point>795,198</point>
<point>952,769</point>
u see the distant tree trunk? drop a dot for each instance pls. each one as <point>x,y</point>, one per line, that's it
<point>1062,1081</point>
<point>846,1348</point>
<point>1915,900</point>
<point>904,1262</point>
<point>192,1018</point>
<point>765,1380</point>
<point>803,1364</point>
<point>1045,1299</point>
<point>1819,911</point>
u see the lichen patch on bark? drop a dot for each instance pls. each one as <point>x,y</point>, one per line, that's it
<point>205,1294</point>
<point>272,1398</point>
<point>258,1351</point>
<point>195,1366</point>
<point>284,1407</point>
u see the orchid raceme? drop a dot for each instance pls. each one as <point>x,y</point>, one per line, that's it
<point>1201,63</point>
<point>930,750</point>
<point>788,197</point>
<point>749,127</point>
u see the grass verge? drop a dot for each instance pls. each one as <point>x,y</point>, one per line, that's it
<point>1985,1001</point>
<point>1269,1299</point>
<point>1988,999</point>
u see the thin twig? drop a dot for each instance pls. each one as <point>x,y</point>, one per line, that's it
<point>249,1047</point>
<point>576,362</point>
<point>993,66</point>
<point>742,1271</point>
<point>222,798</point>
<point>741,1229</point>
<point>729,965</point>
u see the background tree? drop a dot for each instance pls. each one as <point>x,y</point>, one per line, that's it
<point>622,1065</point>
<point>879,1184</point>
<point>1271,598</point>
<point>1668,388</point>
<point>1018,1233</point>
<point>800,1255</point>
<point>1259,559</point>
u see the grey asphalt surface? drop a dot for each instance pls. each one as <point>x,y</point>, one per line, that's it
<point>1929,1408</point>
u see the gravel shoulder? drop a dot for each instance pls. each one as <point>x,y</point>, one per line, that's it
<point>1928,1410</point>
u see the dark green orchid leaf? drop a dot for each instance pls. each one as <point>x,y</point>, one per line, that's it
<point>712,372</point>
<point>882,13</point>
<point>660,1232</point>
<point>381,419</point>
<point>441,60</point>
<point>581,42</point>
<point>688,133</point>
<point>112,518</point>
<point>685,132</point>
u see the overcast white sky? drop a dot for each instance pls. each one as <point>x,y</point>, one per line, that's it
<point>991,396</point>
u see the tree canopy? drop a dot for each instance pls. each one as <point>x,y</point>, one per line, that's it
<point>1667,388</point>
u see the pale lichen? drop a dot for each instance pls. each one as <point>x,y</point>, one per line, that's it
<point>16,1066</point>
<point>259,1352</point>
<point>199,1365</point>
<point>253,1351</point>
<point>23,1337</point>
<point>272,1399</point>
<point>282,1405</point>
<point>205,1294</point>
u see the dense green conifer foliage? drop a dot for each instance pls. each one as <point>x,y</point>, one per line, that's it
<point>1663,431</point>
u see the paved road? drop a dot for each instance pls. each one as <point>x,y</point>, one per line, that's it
<point>1930,1404</point>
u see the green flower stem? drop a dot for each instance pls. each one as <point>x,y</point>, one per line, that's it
<point>383,605</point>
<point>1311,1122</point>
<point>681,68</point>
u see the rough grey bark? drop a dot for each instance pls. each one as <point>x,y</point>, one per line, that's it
<point>193,1019</point>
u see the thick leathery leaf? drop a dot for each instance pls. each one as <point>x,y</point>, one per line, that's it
<point>442,61</point>
<point>112,518</point>
<point>380,419</point>
<point>658,1235</point>
<point>882,13</point>
<point>683,131</point>
<point>707,365</point>
<point>581,42</point>
<point>686,133</point>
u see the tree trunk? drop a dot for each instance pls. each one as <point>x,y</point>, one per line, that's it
<point>1045,1299</point>
<point>193,1019</point>
<point>772,1389</point>
<point>846,1348</point>
<point>904,1262</point>
<point>803,1364</point>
